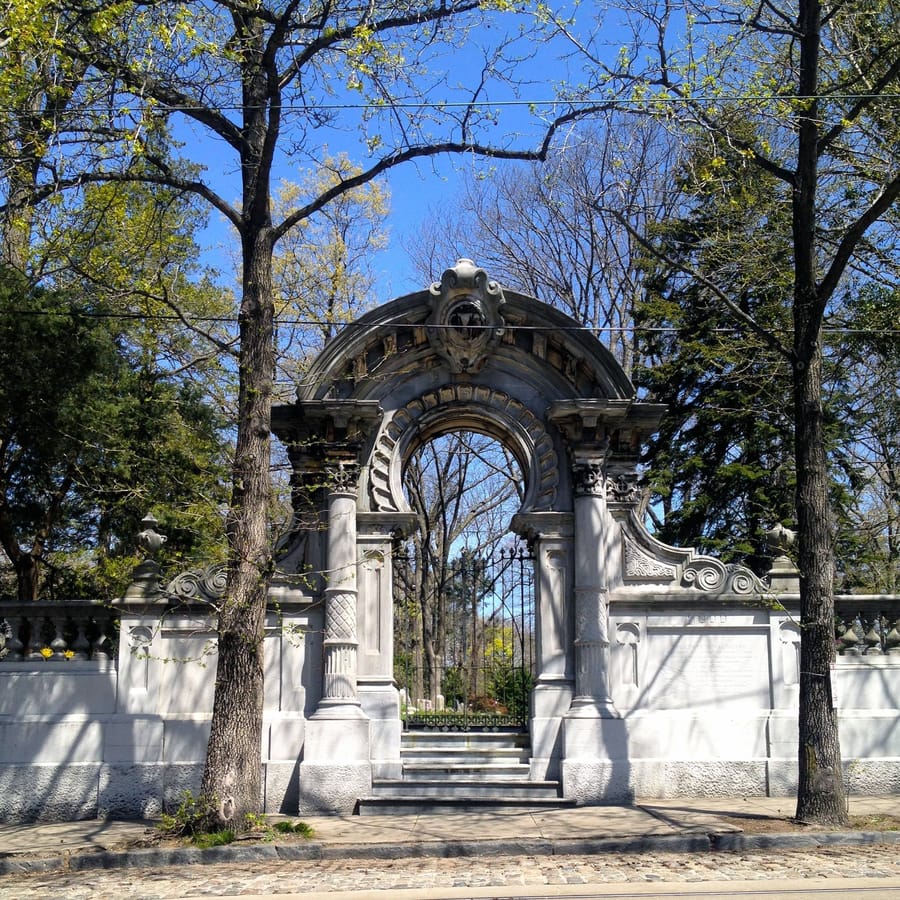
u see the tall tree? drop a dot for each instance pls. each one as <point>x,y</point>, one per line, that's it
<point>721,464</point>
<point>260,84</point>
<point>868,356</point>
<point>817,77</point>
<point>323,268</point>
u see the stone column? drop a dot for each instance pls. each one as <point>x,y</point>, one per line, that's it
<point>339,686</point>
<point>336,770</point>
<point>592,565</point>
<point>595,767</point>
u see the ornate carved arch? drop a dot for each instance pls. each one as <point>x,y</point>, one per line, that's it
<point>456,406</point>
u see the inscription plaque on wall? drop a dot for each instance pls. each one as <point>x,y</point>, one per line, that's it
<point>707,667</point>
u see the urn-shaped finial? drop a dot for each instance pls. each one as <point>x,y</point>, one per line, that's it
<point>149,538</point>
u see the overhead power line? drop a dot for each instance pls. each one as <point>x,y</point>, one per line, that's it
<point>535,103</point>
<point>341,326</point>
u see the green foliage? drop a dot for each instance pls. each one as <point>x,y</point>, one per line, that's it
<point>867,395</point>
<point>217,838</point>
<point>721,464</point>
<point>453,686</point>
<point>511,686</point>
<point>90,442</point>
<point>301,828</point>
<point>193,816</point>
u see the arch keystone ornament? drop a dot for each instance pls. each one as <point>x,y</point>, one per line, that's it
<point>465,324</point>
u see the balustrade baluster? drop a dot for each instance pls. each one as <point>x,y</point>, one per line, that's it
<point>81,646</point>
<point>58,645</point>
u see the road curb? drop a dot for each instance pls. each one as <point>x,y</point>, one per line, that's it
<point>739,841</point>
<point>149,857</point>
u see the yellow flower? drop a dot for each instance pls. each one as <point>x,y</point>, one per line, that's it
<point>46,652</point>
<point>69,654</point>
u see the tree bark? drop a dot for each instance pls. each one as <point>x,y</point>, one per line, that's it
<point>231,780</point>
<point>820,795</point>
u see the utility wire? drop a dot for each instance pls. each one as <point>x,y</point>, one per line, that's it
<point>126,108</point>
<point>364,326</point>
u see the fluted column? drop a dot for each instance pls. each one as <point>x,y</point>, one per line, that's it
<point>592,562</point>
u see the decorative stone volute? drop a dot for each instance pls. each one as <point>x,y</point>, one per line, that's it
<point>465,324</point>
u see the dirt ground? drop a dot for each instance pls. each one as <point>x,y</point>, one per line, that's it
<point>756,824</point>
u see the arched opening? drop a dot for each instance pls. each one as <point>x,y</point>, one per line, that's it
<point>464,600</point>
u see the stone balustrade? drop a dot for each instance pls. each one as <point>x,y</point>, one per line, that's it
<point>867,625</point>
<point>57,632</point>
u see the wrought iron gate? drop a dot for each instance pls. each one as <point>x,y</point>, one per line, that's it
<point>464,640</point>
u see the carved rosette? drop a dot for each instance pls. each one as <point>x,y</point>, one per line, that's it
<point>588,478</point>
<point>465,324</point>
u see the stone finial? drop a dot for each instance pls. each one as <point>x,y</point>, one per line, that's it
<point>145,577</point>
<point>781,538</point>
<point>783,576</point>
<point>149,538</point>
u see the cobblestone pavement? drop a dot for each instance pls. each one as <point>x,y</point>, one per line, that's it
<point>280,877</point>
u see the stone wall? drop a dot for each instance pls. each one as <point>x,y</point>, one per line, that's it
<point>83,734</point>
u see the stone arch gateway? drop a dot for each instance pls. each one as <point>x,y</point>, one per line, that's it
<point>659,672</point>
<point>465,354</point>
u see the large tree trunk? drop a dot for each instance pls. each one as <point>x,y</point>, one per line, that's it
<point>820,795</point>
<point>231,780</point>
<point>820,792</point>
<point>28,577</point>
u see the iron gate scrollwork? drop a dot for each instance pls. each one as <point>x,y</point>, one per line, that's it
<point>464,640</point>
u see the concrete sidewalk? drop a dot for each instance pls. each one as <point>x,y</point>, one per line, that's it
<point>677,825</point>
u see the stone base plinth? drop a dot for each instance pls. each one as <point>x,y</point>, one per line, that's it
<point>333,788</point>
<point>595,767</point>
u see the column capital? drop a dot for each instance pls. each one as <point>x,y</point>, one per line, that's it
<point>342,476</point>
<point>588,477</point>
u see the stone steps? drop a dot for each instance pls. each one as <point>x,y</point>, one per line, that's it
<point>462,772</point>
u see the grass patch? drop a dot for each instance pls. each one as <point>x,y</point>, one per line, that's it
<point>206,839</point>
<point>300,828</point>
<point>875,822</point>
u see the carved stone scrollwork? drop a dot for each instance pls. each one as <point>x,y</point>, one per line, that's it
<point>623,487</point>
<point>640,566</point>
<point>588,478</point>
<point>488,403</point>
<point>207,586</point>
<point>712,576</point>
<point>465,324</point>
